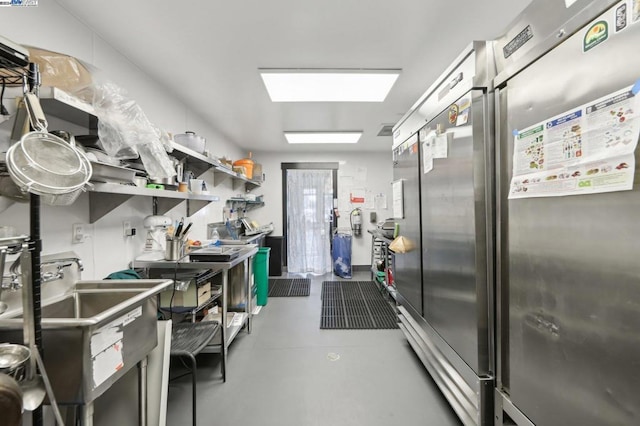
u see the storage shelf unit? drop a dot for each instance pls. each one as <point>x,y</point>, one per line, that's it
<point>228,331</point>
<point>380,251</point>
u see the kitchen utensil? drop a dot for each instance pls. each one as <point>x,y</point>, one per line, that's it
<point>179,228</point>
<point>109,173</point>
<point>184,233</point>
<point>163,181</point>
<point>179,172</point>
<point>48,166</point>
<point>33,392</point>
<point>10,401</point>
<point>13,359</point>
<point>154,186</point>
<point>191,141</point>
<point>173,249</point>
<point>36,115</point>
<point>247,163</point>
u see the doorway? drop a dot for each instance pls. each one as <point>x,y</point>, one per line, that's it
<point>308,220</point>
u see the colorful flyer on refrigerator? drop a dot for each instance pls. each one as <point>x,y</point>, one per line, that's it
<point>589,149</point>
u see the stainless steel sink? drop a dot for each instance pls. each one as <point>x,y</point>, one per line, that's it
<point>93,334</point>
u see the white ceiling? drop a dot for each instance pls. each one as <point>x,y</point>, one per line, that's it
<point>209,52</point>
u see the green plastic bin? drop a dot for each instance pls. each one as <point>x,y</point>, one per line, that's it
<point>261,274</point>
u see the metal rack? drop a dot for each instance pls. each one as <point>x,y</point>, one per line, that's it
<point>228,331</point>
<point>14,74</point>
<point>380,251</point>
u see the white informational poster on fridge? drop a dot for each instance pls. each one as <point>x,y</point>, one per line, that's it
<point>589,149</point>
<point>398,199</point>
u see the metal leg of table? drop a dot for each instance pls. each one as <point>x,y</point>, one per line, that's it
<point>87,414</point>
<point>193,388</point>
<point>142,391</point>
<point>247,306</point>
<point>373,258</point>
<point>223,336</point>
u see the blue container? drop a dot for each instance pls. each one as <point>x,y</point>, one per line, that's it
<point>341,254</point>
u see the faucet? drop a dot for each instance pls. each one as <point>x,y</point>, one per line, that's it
<point>14,275</point>
<point>60,265</point>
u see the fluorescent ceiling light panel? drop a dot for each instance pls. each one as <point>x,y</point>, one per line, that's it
<point>328,85</point>
<point>322,137</point>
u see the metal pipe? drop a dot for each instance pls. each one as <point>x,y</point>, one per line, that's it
<point>142,391</point>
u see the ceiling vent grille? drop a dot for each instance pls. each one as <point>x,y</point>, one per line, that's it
<point>386,130</point>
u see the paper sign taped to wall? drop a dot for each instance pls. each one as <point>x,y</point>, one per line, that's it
<point>357,196</point>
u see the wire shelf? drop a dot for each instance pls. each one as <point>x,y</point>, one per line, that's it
<point>13,77</point>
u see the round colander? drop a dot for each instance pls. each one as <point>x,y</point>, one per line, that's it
<point>46,165</point>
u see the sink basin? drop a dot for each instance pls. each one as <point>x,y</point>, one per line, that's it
<point>93,334</point>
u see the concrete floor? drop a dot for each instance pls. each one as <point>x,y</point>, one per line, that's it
<point>288,372</point>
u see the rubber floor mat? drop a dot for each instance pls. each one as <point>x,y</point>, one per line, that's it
<point>289,287</point>
<point>349,305</point>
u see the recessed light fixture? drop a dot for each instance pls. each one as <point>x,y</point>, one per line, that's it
<point>322,137</point>
<point>324,85</point>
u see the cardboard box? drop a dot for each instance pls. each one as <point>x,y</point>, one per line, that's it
<point>193,296</point>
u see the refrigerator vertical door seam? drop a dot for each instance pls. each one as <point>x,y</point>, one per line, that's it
<point>482,236</point>
<point>501,346</point>
<point>490,227</point>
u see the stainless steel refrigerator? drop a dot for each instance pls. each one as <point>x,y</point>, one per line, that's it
<point>407,271</point>
<point>568,203</point>
<point>453,334</point>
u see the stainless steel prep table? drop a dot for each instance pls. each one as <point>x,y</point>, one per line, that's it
<point>227,334</point>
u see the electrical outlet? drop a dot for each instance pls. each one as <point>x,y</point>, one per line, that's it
<point>77,233</point>
<point>126,226</point>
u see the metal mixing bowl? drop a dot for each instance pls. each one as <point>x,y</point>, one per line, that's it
<point>13,359</point>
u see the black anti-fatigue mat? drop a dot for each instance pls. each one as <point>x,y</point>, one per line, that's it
<point>289,287</point>
<point>348,305</point>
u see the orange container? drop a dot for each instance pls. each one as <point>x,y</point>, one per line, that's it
<point>247,163</point>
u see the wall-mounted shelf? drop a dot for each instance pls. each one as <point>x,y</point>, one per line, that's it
<point>59,103</point>
<point>246,204</point>
<point>199,164</point>
<point>104,197</point>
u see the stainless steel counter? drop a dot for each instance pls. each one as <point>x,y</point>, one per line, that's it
<point>228,331</point>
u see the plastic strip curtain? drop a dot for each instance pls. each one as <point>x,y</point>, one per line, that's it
<point>309,203</point>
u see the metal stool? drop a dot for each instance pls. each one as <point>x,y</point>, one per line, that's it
<point>187,340</point>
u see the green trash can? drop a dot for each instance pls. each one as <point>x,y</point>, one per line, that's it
<point>261,274</point>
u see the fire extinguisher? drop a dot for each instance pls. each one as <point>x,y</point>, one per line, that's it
<point>356,221</point>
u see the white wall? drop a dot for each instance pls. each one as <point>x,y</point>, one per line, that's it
<point>379,176</point>
<point>51,27</point>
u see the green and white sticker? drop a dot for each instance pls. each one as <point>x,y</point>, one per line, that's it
<point>596,34</point>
